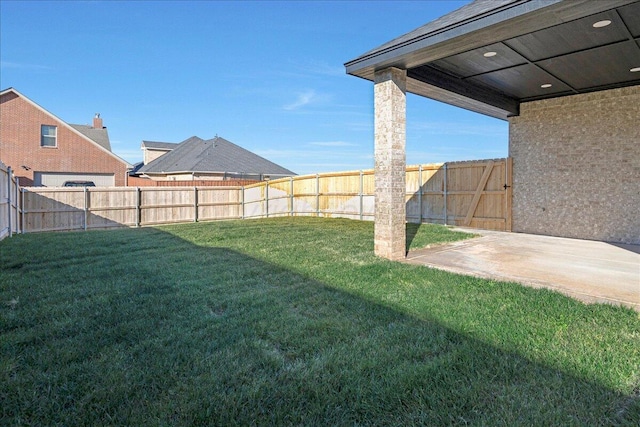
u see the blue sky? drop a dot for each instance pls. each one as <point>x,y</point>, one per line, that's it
<point>268,76</point>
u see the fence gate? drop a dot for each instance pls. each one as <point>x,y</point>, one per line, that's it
<point>473,194</point>
<point>479,194</point>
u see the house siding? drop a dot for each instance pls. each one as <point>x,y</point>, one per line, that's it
<point>151,154</point>
<point>20,123</point>
<point>576,166</point>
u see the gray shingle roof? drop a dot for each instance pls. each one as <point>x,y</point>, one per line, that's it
<point>215,155</point>
<point>98,135</point>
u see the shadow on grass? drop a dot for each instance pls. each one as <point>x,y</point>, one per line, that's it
<point>411,232</point>
<point>170,333</point>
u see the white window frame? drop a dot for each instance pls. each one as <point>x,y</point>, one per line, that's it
<point>44,138</point>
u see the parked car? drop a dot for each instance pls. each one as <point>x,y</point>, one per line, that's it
<point>79,184</point>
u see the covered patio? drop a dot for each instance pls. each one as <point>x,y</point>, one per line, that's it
<point>564,73</point>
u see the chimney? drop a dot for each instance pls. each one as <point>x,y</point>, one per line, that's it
<point>97,121</point>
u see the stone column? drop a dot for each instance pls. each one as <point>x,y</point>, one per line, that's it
<point>390,163</point>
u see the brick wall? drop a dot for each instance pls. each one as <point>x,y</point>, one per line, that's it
<point>576,166</point>
<point>20,123</point>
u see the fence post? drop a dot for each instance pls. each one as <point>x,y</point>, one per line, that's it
<point>242,202</point>
<point>138,208</point>
<point>361,195</point>
<point>318,195</point>
<point>445,194</point>
<point>18,207</point>
<point>195,204</point>
<point>291,198</point>
<point>9,200</point>
<point>22,190</point>
<point>85,208</point>
<point>266,198</point>
<point>420,194</point>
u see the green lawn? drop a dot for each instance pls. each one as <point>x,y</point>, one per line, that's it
<point>293,321</point>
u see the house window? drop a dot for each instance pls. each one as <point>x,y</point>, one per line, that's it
<point>48,136</point>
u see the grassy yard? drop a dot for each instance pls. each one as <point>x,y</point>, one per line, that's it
<point>293,322</point>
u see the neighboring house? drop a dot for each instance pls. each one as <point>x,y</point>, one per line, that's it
<point>43,150</point>
<point>152,150</point>
<point>212,159</point>
<point>565,74</point>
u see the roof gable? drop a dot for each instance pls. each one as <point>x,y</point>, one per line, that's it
<point>77,129</point>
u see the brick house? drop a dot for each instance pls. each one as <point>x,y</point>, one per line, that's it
<point>43,150</point>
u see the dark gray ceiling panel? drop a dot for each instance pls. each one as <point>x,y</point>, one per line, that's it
<point>631,16</point>
<point>603,66</point>
<point>523,81</point>
<point>474,62</point>
<point>570,37</point>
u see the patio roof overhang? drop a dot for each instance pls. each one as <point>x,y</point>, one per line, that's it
<point>491,55</point>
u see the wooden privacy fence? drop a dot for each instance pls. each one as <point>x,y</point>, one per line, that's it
<point>341,194</point>
<point>475,194</point>
<point>9,207</point>
<point>73,208</point>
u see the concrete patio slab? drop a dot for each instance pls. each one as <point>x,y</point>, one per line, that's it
<point>587,270</point>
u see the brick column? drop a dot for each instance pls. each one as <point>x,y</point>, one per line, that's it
<point>390,163</point>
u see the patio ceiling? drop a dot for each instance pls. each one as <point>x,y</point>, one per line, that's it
<point>491,55</point>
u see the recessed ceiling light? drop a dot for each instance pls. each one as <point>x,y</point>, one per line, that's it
<point>490,54</point>
<point>635,70</point>
<point>546,85</point>
<point>601,24</point>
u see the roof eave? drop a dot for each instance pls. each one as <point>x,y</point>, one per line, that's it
<point>488,28</point>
